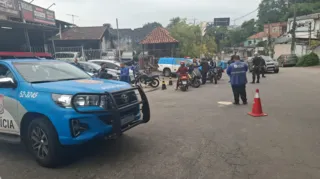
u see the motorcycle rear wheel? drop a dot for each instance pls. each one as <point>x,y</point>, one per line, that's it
<point>211,79</point>
<point>215,79</point>
<point>219,76</point>
<point>196,83</point>
<point>183,88</point>
<point>154,83</point>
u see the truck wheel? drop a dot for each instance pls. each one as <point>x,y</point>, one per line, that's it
<point>167,72</point>
<point>43,143</point>
<point>276,71</point>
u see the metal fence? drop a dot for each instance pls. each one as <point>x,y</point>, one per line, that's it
<point>88,54</point>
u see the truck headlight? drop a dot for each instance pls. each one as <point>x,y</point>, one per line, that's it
<point>100,101</point>
<point>87,100</point>
<point>62,100</point>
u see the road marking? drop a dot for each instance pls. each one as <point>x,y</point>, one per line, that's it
<point>225,103</point>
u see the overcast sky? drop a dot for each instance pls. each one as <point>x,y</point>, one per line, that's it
<point>135,13</point>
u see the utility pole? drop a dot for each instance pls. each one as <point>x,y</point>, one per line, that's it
<point>73,16</point>
<point>269,40</point>
<point>118,41</point>
<point>293,30</point>
<point>53,4</point>
<point>310,23</point>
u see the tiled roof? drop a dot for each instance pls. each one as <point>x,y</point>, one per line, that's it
<point>158,35</point>
<point>259,35</point>
<point>84,33</point>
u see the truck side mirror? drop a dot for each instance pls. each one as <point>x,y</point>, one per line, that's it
<point>7,83</point>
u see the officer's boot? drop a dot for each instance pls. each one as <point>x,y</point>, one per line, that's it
<point>253,78</point>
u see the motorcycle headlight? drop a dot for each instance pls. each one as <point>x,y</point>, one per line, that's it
<point>62,100</point>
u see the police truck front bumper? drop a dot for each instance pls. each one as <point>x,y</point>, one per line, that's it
<point>119,117</point>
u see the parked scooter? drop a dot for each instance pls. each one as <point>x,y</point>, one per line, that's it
<point>142,78</point>
<point>212,75</point>
<point>219,72</point>
<point>195,78</point>
<point>183,83</point>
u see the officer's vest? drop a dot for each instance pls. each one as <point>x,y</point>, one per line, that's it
<point>238,68</point>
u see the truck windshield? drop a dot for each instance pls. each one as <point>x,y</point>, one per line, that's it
<point>45,71</point>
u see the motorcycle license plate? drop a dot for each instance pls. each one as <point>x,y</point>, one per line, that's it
<point>184,82</point>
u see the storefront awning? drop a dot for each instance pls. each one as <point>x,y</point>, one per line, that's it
<point>21,25</point>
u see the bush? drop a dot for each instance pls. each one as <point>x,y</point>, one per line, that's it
<point>311,59</point>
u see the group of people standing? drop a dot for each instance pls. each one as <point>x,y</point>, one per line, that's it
<point>205,65</point>
<point>237,72</point>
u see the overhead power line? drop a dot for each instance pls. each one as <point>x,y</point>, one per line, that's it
<point>246,15</point>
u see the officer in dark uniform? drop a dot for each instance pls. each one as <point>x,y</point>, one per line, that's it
<point>256,69</point>
<point>205,68</point>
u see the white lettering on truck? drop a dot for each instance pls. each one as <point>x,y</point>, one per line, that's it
<point>28,94</point>
<point>6,123</point>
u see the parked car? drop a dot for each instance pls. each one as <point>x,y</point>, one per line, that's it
<point>48,105</point>
<point>69,56</point>
<point>112,66</point>
<point>108,55</point>
<point>271,64</point>
<point>288,60</point>
<point>169,66</point>
<point>127,57</point>
<point>92,69</point>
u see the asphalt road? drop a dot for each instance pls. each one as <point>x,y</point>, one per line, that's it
<point>192,136</point>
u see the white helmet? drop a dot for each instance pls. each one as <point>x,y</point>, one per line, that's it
<point>256,53</point>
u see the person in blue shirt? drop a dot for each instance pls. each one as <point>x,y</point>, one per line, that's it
<point>124,73</point>
<point>238,79</point>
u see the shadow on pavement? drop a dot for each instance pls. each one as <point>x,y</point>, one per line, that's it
<point>99,151</point>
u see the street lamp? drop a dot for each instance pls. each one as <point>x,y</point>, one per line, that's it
<point>51,5</point>
<point>31,1</point>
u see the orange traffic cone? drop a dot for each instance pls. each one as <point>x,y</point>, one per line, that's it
<point>256,107</point>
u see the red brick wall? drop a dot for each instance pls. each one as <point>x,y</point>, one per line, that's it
<point>276,29</point>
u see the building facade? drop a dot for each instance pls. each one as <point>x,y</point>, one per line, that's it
<point>308,25</point>
<point>275,29</point>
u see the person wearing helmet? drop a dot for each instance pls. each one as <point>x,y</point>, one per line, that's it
<point>256,68</point>
<point>182,70</point>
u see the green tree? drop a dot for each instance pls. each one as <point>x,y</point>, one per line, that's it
<point>191,42</point>
<point>152,25</point>
<point>174,21</point>
<point>280,10</point>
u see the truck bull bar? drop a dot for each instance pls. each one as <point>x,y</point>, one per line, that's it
<point>115,110</point>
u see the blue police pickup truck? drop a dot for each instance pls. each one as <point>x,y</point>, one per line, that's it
<point>49,104</point>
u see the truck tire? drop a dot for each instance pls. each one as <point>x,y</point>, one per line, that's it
<point>167,72</point>
<point>43,143</point>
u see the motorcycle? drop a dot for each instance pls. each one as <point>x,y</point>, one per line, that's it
<point>212,75</point>
<point>142,78</point>
<point>219,74</point>
<point>183,83</point>
<point>195,78</point>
